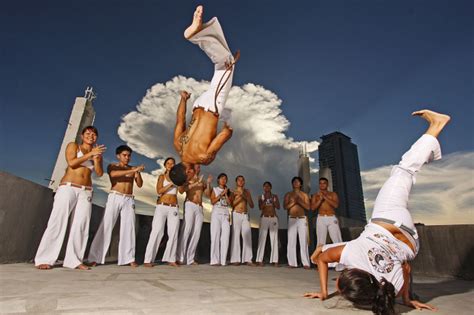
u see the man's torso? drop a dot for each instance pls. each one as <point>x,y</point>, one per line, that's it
<point>123,184</point>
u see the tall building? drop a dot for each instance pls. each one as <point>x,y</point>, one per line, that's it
<point>338,154</point>
<point>82,115</point>
<point>304,170</point>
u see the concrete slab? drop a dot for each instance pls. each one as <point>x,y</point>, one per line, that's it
<point>199,289</point>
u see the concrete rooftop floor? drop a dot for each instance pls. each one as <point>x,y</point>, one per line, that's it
<point>199,289</point>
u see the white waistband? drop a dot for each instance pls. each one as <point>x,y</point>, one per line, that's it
<point>113,192</point>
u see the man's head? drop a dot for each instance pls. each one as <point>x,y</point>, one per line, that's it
<point>190,173</point>
<point>267,187</point>
<point>240,181</point>
<point>297,182</point>
<point>222,179</point>
<point>179,173</point>
<point>124,154</point>
<point>89,135</point>
<point>323,183</point>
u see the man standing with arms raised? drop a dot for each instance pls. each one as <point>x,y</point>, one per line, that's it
<point>73,195</point>
<point>120,201</point>
<point>296,202</point>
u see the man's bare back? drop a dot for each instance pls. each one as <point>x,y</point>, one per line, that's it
<point>199,142</point>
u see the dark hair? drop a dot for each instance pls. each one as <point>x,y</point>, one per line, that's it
<point>178,174</point>
<point>239,177</point>
<point>222,175</point>
<point>270,184</point>
<point>90,128</point>
<point>324,178</point>
<point>122,148</point>
<point>297,178</point>
<point>169,158</point>
<point>363,289</point>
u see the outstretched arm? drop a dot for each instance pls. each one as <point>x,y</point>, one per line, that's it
<point>405,291</point>
<point>322,259</point>
<point>180,121</point>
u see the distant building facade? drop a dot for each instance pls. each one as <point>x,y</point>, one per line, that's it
<point>304,169</point>
<point>82,115</point>
<point>338,156</point>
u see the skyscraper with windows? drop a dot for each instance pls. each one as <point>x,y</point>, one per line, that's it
<point>338,154</point>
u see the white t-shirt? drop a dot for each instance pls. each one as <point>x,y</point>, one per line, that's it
<point>378,252</point>
<point>222,203</point>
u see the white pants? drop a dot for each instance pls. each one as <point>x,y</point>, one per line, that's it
<point>241,225</point>
<point>163,214</point>
<point>125,206</point>
<point>191,232</point>
<point>212,41</point>
<point>268,223</point>
<point>66,200</point>
<point>220,232</point>
<point>325,224</point>
<point>297,227</point>
<point>392,199</point>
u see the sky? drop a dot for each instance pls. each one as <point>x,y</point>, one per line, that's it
<point>308,68</point>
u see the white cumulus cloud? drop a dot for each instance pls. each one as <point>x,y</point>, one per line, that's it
<point>259,149</point>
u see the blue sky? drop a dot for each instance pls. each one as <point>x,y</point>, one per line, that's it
<point>359,67</point>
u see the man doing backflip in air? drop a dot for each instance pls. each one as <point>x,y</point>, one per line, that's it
<point>200,142</point>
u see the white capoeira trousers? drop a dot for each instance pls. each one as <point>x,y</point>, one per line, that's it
<point>191,232</point>
<point>241,226</point>
<point>66,200</point>
<point>220,232</point>
<point>125,206</point>
<point>297,228</point>
<point>325,224</point>
<point>212,41</point>
<point>268,224</point>
<point>392,200</point>
<point>163,214</point>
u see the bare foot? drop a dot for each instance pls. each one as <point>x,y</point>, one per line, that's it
<point>251,264</point>
<point>44,267</point>
<point>307,267</point>
<point>215,265</point>
<point>133,264</point>
<point>196,25</point>
<point>235,264</point>
<point>194,263</point>
<point>292,267</point>
<point>276,265</point>
<point>173,264</point>
<point>93,264</point>
<point>149,265</point>
<point>260,264</point>
<point>83,267</point>
<point>436,120</point>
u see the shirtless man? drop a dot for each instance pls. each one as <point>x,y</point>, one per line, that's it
<point>241,200</point>
<point>325,202</point>
<point>74,194</point>
<point>295,203</point>
<point>268,203</point>
<point>120,201</point>
<point>199,143</point>
<point>193,215</point>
